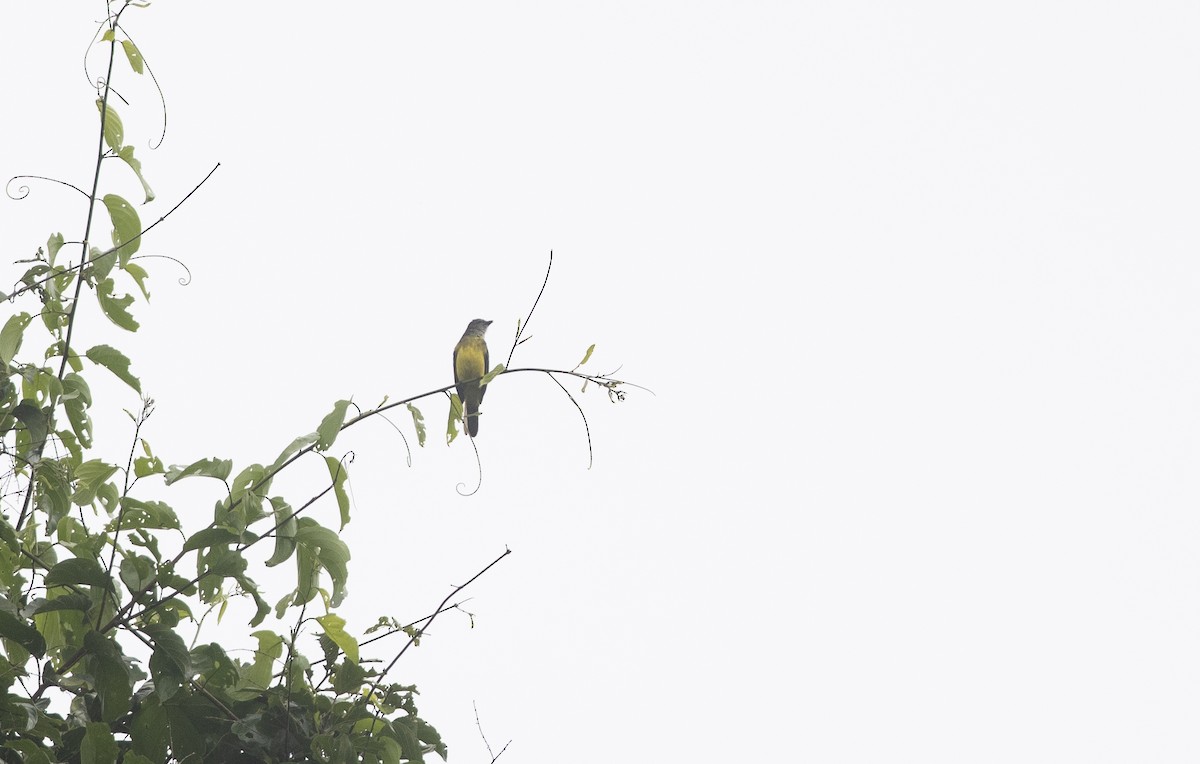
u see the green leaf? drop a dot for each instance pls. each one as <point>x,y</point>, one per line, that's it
<point>214,468</point>
<point>89,477</point>
<point>337,472</point>
<point>586,355</point>
<point>149,731</point>
<point>257,676</point>
<point>98,746</point>
<point>497,370</point>
<point>112,681</point>
<point>456,415</point>
<point>327,432</point>
<point>145,514</point>
<point>65,602</point>
<point>31,752</point>
<point>127,226</point>
<point>330,551</point>
<point>418,423</point>
<point>78,570</point>
<point>285,531</point>
<point>116,309</point>
<point>113,360</point>
<point>77,398</point>
<point>126,154</point>
<point>297,445</point>
<point>334,627</point>
<point>136,571</point>
<point>100,264</point>
<point>171,663</point>
<point>139,275</point>
<point>29,414</point>
<point>11,335</point>
<point>214,665</point>
<point>53,244</point>
<point>349,678</point>
<point>135,57</point>
<point>53,492</point>
<point>210,537</point>
<point>114,131</point>
<point>144,466</point>
<point>23,633</point>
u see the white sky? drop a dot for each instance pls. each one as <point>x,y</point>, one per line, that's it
<point>915,286</point>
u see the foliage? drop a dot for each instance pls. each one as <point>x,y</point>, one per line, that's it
<point>93,571</point>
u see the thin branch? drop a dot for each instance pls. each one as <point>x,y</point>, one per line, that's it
<point>485,740</point>
<point>429,621</point>
<point>521,329</point>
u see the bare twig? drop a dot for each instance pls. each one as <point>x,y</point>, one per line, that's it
<point>428,621</point>
<point>485,740</point>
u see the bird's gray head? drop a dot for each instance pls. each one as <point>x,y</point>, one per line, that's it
<point>478,326</point>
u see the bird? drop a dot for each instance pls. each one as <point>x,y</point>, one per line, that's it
<point>471,363</point>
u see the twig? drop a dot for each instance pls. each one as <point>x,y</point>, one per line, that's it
<point>485,740</point>
<point>521,329</point>
<point>429,621</point>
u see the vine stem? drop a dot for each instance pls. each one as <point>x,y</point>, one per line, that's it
<point>87,233</point>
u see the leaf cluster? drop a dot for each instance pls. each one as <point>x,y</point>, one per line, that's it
<point>100,580</point>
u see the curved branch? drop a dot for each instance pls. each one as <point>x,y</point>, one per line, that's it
<point>24,190</point>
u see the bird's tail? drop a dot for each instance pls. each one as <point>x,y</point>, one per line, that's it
<point>472,420</point>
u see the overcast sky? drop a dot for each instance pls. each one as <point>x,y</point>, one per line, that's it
<point>915,287</point>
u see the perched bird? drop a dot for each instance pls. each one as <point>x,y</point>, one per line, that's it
<point>471,363</point>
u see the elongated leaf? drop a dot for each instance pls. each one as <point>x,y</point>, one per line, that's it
<point>257,676</point>
<point>98,745</point>
<point>587,355</point>
<point>11,335</point>
<point>65,602</point>
<point>23,633</point>
<point>78,570</point>
<point>145,514</point>
<point>335,628</point>
<point>29,414</point>
<point>330,550</point>
<point>116,309</point>
<point>300,443</point>
<point>209,537</point>
<point>136,572</point>
<point>139,275</point>
<point>135,57</point>
<point>114,131</point>
<point>127,226</point>
<point>327,432</point>
<point>418,423</point>
<point>53,244</point>
<point>496,370</point>
<point>77,398</point>
<point>170,664</point>
<point>126,154</point>
<point>337,472</point>
<point>113,360</point>
<point>89,477</point>
<point>100,264</point>
<point>285,532</point>
<point>214,468</point>
<point>108,668</point>
<point>150,731</point>
<point>456,415</point>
